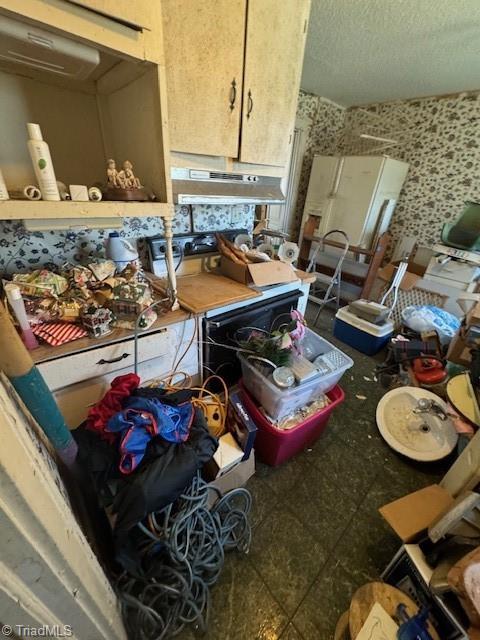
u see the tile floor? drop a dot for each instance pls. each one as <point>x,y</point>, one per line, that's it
<point>317,534</point>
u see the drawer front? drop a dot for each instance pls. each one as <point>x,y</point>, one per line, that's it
<point>74,401</point>
<point>103,360</point>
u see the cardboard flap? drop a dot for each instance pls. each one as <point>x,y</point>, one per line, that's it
<point>260,274</point>
<point>274,272</point>
<point>411,515</point>
<point>409,280</point>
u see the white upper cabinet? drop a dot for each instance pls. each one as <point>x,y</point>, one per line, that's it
<point>132,29</point>
<point>275,44</point>
<point>233,75</point>
<point>204,58</point>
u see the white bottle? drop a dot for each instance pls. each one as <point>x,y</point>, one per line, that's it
<point>42,163</point>
<point>3,188</point>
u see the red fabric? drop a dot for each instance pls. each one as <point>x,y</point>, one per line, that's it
<point>110,404</point>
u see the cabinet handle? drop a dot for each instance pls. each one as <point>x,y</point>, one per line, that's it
<point>113,360</point>
<point>233,94</point>
<point>249,104</point>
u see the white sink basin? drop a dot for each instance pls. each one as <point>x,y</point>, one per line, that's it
<point>421,436</point>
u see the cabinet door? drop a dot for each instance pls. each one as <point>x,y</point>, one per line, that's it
<point>275,43</point>
<point>204,45</point>
<point>136,14</point>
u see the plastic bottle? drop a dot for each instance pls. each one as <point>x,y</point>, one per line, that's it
<point>15,300</point>
<point>3,188</point>
<point>42,163</point>
<point>120,250</point>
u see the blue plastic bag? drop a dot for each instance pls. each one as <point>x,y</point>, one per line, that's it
<point>426,317</point>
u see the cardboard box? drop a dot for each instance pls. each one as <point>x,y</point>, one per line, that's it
<point>228,454</point>
<point>465,338</point>
<point>458,350</point>
<point>260,274</point>
<point>473,316</point>
<point>236,477</point>
<point>240,424</point>
<point>408,282</point>
<point>411,515</point>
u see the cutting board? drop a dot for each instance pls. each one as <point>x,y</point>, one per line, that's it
<point>205,291</point>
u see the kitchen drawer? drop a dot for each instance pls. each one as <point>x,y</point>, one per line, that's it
<point>69,370</point>
<point>74,401</point>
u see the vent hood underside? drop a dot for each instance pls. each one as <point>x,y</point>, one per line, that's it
<point>192,186</point>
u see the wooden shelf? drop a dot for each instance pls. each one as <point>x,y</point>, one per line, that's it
<point>339,245</point>
<point>33,210</point>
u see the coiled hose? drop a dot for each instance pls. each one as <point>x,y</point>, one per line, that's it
<point>183,550</point>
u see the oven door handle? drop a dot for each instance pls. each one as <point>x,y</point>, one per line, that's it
<point>227,318</point>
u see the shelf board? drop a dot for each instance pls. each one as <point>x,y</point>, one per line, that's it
<point>41,209</point>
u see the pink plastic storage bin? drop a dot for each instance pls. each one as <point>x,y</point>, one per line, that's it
<point>274,446</point>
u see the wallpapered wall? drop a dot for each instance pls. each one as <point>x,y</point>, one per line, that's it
<point>443,151</point>
<point>441,145</point>
<point>22,251</point>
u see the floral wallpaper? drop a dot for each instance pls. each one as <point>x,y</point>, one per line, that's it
<point>326,121</point>
<point>22,251</point>
<point>442,146</point>
<point>440,139</point>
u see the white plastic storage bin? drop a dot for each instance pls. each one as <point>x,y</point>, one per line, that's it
<point>279,403</point>
<point>361,334</point>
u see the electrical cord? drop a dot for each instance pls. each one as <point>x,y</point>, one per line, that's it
<point>211,404</point>
<point>189,346</point>
<point>137,327</point>
<point>183,550</point>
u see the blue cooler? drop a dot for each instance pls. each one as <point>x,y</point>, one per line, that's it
<point>361,334</point>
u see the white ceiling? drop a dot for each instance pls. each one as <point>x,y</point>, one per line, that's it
<point>361,51</point>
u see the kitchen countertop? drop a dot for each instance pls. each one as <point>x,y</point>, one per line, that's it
<point>206,291</point>
<point>46,352</point>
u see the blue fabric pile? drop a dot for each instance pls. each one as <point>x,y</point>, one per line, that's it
<point>144,418</point>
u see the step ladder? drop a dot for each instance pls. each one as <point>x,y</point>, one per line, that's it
<point>326,288</point>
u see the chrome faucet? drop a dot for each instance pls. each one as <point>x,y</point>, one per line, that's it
<point>424,405</point>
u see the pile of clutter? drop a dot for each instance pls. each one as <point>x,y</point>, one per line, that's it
<point>90,299</point>
<point>289,385</point>
<point>289,370</point>
<point>146,452</point>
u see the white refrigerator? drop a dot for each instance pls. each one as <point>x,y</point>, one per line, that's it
<point>356,194</point>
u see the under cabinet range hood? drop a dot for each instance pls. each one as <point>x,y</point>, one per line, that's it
<point>29,46</point>
<point>198,186</point>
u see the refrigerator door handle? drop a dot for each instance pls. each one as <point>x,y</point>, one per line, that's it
<point>336,178</point>
<point>325,223</point>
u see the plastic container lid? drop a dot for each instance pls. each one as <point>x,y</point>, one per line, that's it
<point>377,330</point>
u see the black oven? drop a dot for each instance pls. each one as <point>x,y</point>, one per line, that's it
<point>267,314</point>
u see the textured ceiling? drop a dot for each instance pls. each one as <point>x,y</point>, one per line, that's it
<point>361,51</point>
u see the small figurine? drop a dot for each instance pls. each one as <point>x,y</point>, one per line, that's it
<point>112,175</point>
<point>128,177</point>
<point>123,185</point>
<point>97,321</point>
